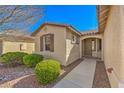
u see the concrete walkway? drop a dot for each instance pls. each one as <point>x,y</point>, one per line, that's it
<point>80,77</point>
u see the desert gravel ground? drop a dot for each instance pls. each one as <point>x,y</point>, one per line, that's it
<point>23,77</point>
<point>101,79</point>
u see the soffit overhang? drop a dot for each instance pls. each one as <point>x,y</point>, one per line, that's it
<point>102,14</point>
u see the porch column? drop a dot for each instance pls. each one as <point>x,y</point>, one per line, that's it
<point>83,48</point>
<point>80,48</point>
<point>96,48</point>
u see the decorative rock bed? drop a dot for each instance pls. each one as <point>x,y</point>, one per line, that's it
<point>101,79</point>
<point>23,77</point>
<point>2,78</point>
<point>7,73</point>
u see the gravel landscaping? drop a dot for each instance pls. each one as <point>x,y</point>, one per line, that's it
<point>100,78</point>
<point>23,77</point>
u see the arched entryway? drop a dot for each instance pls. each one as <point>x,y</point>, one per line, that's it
<point>91,47</point>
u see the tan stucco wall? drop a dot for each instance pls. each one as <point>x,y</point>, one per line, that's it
<point>59,43</point>
<point>1,47</point>
<point>113,45</point>
<point>72,49</point>
<point>15,46</point>
<point>122,45</point>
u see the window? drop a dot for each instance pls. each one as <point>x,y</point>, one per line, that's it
<point>93,45</point>
<point>23,47</point>
<point>47,42</point>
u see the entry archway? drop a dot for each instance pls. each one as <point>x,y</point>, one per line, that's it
<point>92,47</point>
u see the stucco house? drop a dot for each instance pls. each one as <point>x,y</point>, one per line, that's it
<point>14,43</point>
<point>64,43</point>
<point>58,41</point>
<point>111,26</point>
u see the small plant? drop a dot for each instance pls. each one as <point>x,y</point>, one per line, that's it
<point>47,71</point>
<point>32,59</point>
<point>12,58</point>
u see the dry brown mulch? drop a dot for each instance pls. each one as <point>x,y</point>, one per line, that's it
<point>23,77</point>
<point>100,78</point>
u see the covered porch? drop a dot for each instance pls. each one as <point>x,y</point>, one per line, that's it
<point>91,45</point>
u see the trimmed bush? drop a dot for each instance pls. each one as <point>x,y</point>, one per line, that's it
<point>12,58</point>
<point>47,71</point>
<point>32,59</point>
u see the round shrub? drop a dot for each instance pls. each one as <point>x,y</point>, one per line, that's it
<point>47,71</point>
<point>12,58</point>
<point>32,59</point>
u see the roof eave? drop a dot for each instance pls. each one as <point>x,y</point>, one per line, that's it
<point>63,25</point>
<point>103,12</point>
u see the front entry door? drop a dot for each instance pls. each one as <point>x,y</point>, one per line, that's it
<point>88,47</point>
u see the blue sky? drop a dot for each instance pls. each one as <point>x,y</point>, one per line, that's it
<point>82,17</point>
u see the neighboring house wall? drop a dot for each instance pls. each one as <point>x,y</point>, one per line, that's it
<point>9,46</point>
<point>72,49</point>
<point>59,52</point>
<point>114,46</point>
<point>1,47</point>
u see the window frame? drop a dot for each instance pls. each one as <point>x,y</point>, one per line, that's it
<point>47,42</point>
<point>22,47</point>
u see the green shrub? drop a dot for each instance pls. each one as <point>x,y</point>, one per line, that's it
<point>47,71</point>
<point>12,58</point>
<point>32,59</point>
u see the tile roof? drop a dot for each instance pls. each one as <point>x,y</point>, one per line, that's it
<point>89,32</point>
<point>16,38</point>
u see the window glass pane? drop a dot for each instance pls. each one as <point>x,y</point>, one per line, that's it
<point>47,46</point>
<point>48,39</point>
<point>47,42</point>
<point>93,45</point>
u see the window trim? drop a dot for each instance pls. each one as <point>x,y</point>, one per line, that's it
<point>21,47</point>
<point>51,42</point>
<point>46,42</point>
